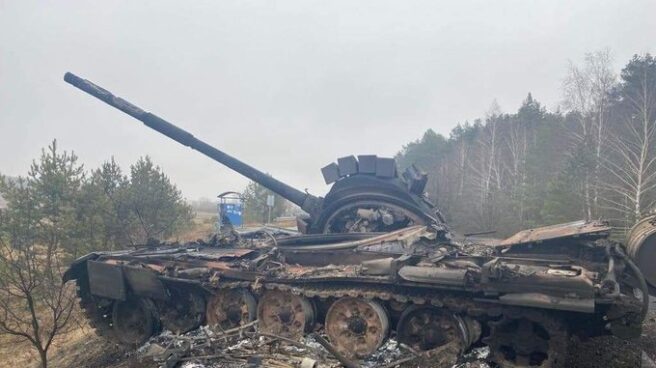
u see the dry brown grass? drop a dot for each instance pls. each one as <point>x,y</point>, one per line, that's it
<point>203,227</point>
<point>81,347</point>
<point>15,353</point>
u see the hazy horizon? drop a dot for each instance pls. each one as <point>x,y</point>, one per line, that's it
<point>285,86</point>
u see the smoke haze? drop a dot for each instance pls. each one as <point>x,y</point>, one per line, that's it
<point>287,86</point>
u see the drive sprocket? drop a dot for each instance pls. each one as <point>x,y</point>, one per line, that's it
<point>527,338</point>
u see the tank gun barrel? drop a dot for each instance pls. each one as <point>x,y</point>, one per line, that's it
<point>306,201</point>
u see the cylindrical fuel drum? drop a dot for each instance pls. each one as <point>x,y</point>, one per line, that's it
<point>641,246</point>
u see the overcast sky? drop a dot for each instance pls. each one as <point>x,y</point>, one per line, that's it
<point>287,86</point>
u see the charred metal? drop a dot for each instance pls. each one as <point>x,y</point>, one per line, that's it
<point>373,284</point>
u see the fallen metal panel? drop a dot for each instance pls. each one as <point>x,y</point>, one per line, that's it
<point>269,229</point>
<point>221,254</point>
<point>434,275</point>
<point>539,300</point>
<point>106,280</point>
<point>571,229</point>
<point>511,277</point>
<point>378,267</point>
<point>406,236</point>
<point>145,282</point>
<point>320,258</point>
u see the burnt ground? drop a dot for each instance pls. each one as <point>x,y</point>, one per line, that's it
<point>609,351</point>
<point>648,340</point>
<point>91,351</point>
<point>94,351</point>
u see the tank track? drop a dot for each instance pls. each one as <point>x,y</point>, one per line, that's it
<point>99,317</point>
<point>490,315</point>
<point>487,314</point>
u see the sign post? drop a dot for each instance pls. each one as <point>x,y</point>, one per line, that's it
<point>270,204</point>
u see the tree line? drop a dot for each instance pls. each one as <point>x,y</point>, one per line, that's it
<point>593,158</point>
<point>255,205</point>
<point>60,211</point>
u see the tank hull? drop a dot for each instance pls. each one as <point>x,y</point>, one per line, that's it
<point>392,278</point>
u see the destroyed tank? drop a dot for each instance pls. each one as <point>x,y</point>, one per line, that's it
<point>376,259</point>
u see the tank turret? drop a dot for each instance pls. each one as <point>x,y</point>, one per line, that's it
<point>368,194</point>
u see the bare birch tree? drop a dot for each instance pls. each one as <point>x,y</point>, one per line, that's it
<point>484,165</point>
<point>587,91</point>
<point>517,146</point>
<point>632,162</point>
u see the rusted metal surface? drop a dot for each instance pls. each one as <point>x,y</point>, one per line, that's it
<point>134,320</point>
<point>403,238</point>
<point>539,300</point>
<point>106,280</point>
<point>434,275</point>
<point>285,314</point>
<point>527,339</point>
<point>356,326</point>
<point>569,230</point>
<point>143,281</point>
<point>230,308</point>
<point>222,254</point>
<point>183,311</point>
<point>426,328</point>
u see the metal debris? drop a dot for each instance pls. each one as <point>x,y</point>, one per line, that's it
<point>247,347</point>
<point>204,348</point>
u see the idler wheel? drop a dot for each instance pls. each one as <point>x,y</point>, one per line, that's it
<point>527,339</point>
<point>135,320</point>
<point>231,308</point>
<point>285,314</point>
<point>183,312</point>
<point>356,326</point>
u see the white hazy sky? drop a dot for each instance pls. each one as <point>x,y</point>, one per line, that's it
<point>287,86</point>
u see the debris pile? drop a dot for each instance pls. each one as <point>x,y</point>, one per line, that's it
<point>246,346</point>
<point>239,347</point>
